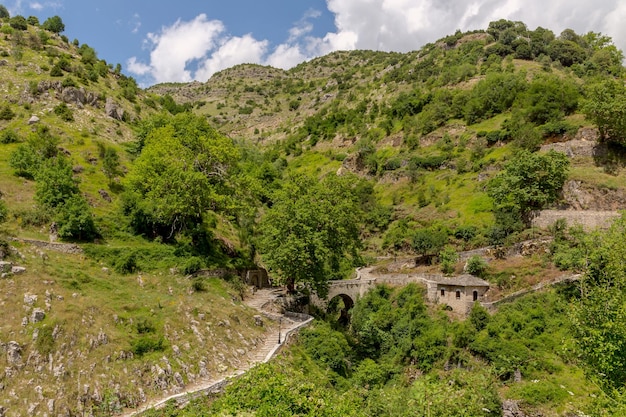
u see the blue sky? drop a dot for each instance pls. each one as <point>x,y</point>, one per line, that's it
<point>184,40</point>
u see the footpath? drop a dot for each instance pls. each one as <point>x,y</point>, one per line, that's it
<point>260,300</point>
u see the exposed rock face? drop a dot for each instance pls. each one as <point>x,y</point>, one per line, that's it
<point>14,353</point>
<point>37,315</point>
<point>510,408</point>
<point>105,196</point>
<point>113,110</point>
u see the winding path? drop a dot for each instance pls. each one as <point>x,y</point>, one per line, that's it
<point>290,323</point>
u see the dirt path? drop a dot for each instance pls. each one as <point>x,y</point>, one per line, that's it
<point>289,323</point>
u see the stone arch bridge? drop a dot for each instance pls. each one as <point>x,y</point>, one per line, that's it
<point>458,292</point>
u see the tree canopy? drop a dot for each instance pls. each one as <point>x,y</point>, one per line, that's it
<point>529,181</point>
<point>54,24</point>
<point>605,105</point>
<point>183,171</point>
<point>311,232</point>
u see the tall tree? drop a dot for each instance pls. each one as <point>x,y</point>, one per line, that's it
<point>183,170</point>
<point>528,182</point>
<point>605,106</point>
<point>54,24</point>
<point>599,316</point>
<point>311,232</point>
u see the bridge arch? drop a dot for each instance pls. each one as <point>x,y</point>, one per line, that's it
<point>341,303</point>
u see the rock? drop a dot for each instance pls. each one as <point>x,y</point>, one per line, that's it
<point>510,408</point>
<point>179,380</point>
<point>77,169</point>
<point>3,411</point>
<point>103,339</point>
<point>14,353</point>
<point>33,119</point>
<point>258,321</point>
<point>16,270</point>
<point>113,110</point>
<point>30,299</point>
<point>176,350</point>
<point>105,196</point>
<point>5,266</point>
<point>73,95</point>
<point>37,315</point>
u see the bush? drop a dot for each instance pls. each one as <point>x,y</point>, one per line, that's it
<point>126,263</point>
<point>6,113</point>
<point>9,136</point>
<point>146,344</point>
<point>64,112</point>
<point>476,265</point>
<point>448,258</point>
<point>75,221</point>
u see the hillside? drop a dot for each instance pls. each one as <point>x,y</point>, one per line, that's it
<point>131,218</point>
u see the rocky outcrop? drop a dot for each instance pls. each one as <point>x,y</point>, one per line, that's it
<point>113,110</point>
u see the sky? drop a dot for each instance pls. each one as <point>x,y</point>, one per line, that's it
<point>180,41</point>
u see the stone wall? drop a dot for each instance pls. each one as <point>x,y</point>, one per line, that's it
<point>588,219</point>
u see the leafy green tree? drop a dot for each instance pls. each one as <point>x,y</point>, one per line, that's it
<point>33,20</point>
<point>310,234</point>
<point>111,163</point>
<point>55,182</point>
<point>599,316</point>
<point>448,258</point>
<point>183,171</point>
<point>529,181</point>
<point>4,13</point>
<point>54,24</point>
<point>27,158</point>
<point>18,22</point>
<point>75,220</point>
<point>605,106</point>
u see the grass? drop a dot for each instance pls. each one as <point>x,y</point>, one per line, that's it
<point>86,299</point>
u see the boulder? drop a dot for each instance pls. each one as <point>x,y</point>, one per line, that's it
<point>14,353</point>
<point>30,299</point>
<point>16,270</point>
<point>33,119</point>
<point>37,315</point>
<point>113,110</point>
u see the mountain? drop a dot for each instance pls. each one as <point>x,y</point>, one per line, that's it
<point>115,199</point>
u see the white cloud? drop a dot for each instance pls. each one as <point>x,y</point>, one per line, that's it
<point>135,23</point>
<point>198,48</point>
<point>36,6</point>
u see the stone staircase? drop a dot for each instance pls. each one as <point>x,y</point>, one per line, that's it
<point>262,301</point>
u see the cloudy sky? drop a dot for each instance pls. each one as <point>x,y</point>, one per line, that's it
<point>162,41</point>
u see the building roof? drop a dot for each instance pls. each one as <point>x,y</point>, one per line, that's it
<point>464,280</point>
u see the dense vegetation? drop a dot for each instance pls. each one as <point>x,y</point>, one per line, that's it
<point>365,154</point>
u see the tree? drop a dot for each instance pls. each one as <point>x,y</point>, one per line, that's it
<point>4,13</point>
<point>183,171</point>
<point>311,232</point>
<point>111,164</point>
<point>54,24</point>
<point>605,106</point>
<point>54,182</point>
<point>74,219</point>
<point>599,316</point>
<point>18,22</point>
<point>528,182</point>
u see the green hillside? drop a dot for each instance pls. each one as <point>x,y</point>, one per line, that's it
<point>136,213</point>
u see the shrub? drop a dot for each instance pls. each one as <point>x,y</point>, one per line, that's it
<point>6,113</point>
<point>126,263</point>
<point>146,344</point>
<point>9,136</point>
<point>75,220</point>
<point>448,258</point>
<point>476,265</point>
<point>191,265</point>
<point>64,112</point>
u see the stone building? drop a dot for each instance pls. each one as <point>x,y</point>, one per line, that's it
<point>458,292</point>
